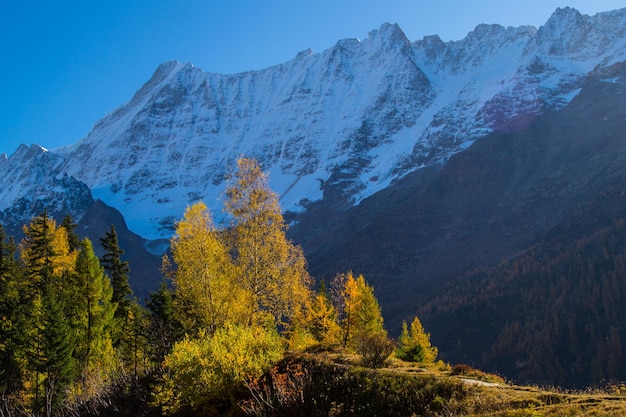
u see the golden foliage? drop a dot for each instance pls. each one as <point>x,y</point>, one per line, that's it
<point>210,368</point>
<point>414,344</point>
<point>360,312</point>
<point>207,294</point>
<point>268,264</point>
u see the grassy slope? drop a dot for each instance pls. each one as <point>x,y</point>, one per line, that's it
<point>485,396</point>
<point>334,385</point>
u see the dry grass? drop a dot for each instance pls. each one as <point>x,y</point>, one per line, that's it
<point>488,395</point>
<point>515,401</point>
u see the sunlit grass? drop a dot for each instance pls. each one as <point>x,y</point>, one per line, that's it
<point>488,395</point>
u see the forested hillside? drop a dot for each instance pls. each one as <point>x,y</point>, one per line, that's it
<point>551,315</point>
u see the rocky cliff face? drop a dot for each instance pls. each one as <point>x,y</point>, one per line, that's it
<point>34,184</point>
<point>342,124</point>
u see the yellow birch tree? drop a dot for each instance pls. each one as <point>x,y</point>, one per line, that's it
<point>269,265</point>
<point>207,293</point>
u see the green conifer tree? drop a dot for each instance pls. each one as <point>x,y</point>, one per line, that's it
<point>70,226</point>
<point>118,270</point>
<point>94,310</point>
<point>47,331</point>
<point>55,361</point>
<point>165,329</point>
<point>414,344</point>
<point>10,317</point>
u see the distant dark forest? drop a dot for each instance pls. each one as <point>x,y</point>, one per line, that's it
<point>552,315</point>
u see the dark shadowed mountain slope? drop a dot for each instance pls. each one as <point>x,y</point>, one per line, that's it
<point>145,267</point>
<point>559,180</point>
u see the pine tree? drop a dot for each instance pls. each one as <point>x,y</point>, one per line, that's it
<point>271,267</point>
<point>48,262</point>
<point>132,348</point>
<point>10,316</point>
<point>37,252</point>
<point>164,328</point>
<point>93,309</point>
<point>118,270</point>
<point>70,226</point>
<point>56,361</point>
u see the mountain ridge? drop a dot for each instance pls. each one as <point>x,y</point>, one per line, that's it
<point>343,123</point>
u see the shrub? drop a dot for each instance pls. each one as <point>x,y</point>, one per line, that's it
<point>470,372</point>
<point>212,369</point>
<point>374,349</point>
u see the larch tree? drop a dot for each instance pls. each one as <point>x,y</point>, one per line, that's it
<point>360,312</point>
<point>414,344</point>
<point>271,267</point>
<point>322,318</point>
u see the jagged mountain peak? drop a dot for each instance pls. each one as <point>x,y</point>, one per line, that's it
<point>340,124</point>
<point>563,16</point>
<point>388,33</point>
<point>28,151</point>
<point>569,34</point>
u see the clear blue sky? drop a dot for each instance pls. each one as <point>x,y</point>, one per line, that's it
<point>65,64</point>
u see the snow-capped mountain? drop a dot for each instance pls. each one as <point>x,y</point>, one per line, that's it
<point>34,185</point>
<point>343,123</point>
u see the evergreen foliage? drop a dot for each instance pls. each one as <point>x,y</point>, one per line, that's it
<point>94,312</point>
<point>118,272</point>
<point>10,316</point>
<point>414,345</point>
<point>552,314</point>
<point>164,328</point>
<point>56,318</point>
<point>70,227</point>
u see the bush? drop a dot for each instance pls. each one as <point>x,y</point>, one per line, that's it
<point>210,369</point>
<point>470,372</point>
<point>411,354</point>
<point>374,349</point>
<point>304,386</point>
